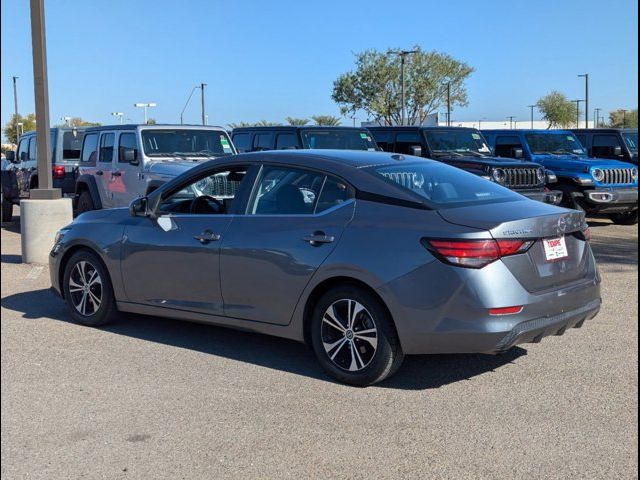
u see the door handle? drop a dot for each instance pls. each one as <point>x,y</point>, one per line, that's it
<point>99,172</point>
<point>116,174</point>
<point>207,236</point>
<point>318,238</point>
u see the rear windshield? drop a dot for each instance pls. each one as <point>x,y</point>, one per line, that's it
<point>188,143</point>
<point>72,145</point>
<point>441,186</point>
<point>338,139</point>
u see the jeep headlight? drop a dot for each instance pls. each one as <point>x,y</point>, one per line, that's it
<point>597,174</point>
<point>634,174</point>
<point>541,175</point>
<point>499,176</point>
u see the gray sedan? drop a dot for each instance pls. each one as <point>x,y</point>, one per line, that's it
<point>365,256</point>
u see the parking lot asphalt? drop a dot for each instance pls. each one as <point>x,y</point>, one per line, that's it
<point>151,398</point>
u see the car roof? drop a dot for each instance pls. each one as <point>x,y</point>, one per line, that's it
<point>296,127</point>
<point>420,127</point>
<point>604,130</point>
<point>62,129</point>
<point>155,126</point>
<point>515,131</point>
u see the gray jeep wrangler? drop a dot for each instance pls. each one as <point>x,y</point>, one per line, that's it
<point>119,163</point>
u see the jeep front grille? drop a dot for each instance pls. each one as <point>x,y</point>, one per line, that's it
<point>618,175</point>
<point>522,178</point>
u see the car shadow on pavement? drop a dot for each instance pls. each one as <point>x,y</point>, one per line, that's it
<point>11,258</point>
<point>418,372</point>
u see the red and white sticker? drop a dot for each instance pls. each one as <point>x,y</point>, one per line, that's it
<point>555,249</point>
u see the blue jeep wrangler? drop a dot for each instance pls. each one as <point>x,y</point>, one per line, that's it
<point>594,185</point>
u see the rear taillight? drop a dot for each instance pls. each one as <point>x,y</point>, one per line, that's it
<point>584,234</point>
<point>475,253</point>
<point>58,172</point>
<point>505,311</point>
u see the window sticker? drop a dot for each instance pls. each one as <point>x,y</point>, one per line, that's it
<point>225,144</point>
<point>476,136</point>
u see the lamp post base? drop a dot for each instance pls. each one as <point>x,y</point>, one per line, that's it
<point>45,194</point>
<point>40,220</point>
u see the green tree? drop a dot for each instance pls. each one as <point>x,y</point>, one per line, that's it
<point>375,85</point>
<point>558,110</point>
<point>239,125</point>
<point>624,118</point>
<point>326,120</point>
<point>297,121</point>
<point>12,127</point>
<point>79,122</point>
<point>151,121</point>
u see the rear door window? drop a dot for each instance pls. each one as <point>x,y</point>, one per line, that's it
<point>286,140</point>
<point>72,145</point>
<point>242,141</point>
<point>89,149</point>
<point>334,193</point>
<point>286,191</point>
<point>107,141</point>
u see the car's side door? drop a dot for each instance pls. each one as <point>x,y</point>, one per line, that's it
<point>127,182</point>
<point>171,259</point>
<point>293,221</point>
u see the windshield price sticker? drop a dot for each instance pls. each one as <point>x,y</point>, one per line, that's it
<point>225,143</point>
<point>364,136</point>
<point>555,249</point>
<point>476,136</point>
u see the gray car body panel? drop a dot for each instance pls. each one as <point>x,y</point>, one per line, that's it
<point>268,274</point>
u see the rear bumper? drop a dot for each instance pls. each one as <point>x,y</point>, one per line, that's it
<point>553,197</point>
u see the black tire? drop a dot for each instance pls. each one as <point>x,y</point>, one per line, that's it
<point>373,363</point>
<point>85,202</point>
<point>627,218</point>
<point>569,201</point>
<point>91,313</point>
<point>7,210</point>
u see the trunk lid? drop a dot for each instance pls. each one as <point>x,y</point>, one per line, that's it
<point>533,221</point>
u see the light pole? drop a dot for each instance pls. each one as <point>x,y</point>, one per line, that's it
<point>204,119</point>
<point>402,54</point>
<point>511,121</point>
<point>120,116</point>
<point>15,102</point>
<point>532,108</point>
<point>577,102</point>
<point>596,117</point>
<point>448,84</point>
<point>67,121</point>
<point>145,106</point>
<point>586,99</point>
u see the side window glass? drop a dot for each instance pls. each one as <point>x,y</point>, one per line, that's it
<point>406,140</point>
<point>506,144</point>
<point>128,147</point>
<point>582,139</point>
<point>286,191</point>
<point>286,140</point>
<point>106,147</point>
<point>384,140</point>
<point>242,141</point>
<point>209,195</point>
<point>89,148</point>
<point>23,150</point>
<point>334,193</point>
<point>33,149</point>
<point>263,141</point>
<point>606,141</point>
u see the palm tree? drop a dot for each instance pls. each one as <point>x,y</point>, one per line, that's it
<point>326,120</point>
<point>299,122</point>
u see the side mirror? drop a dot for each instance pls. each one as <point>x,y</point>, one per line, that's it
<point>616,151</point>
<point>10,155</point>
<point>415,150</point>
<point>130,156</point>
<point>139,207</point>
<point>517,153</point>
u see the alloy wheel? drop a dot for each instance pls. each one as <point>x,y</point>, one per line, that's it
<point>85,288</point>
<point>349,335</point>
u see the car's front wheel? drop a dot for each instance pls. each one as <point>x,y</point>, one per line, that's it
<point>87,290</point>
<point>628,218</point>
<point>354,337</point>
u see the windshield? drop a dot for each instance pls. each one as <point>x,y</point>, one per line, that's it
<point>554,144</point>
<point>631,139</point>
<point>187,142</point>
<point>338,139</point>
<point>457,141</point>
<point>443,186</point>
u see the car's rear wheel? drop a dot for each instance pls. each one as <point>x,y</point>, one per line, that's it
<point>7,210</point>
<point>85,202</point>
<point>354,337</point>
<point>627,218</point>
<point>87,290</point>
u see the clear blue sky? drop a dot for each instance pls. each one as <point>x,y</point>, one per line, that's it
<point>269,60</point>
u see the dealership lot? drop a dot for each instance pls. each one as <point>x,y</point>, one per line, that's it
<point>156,398</point>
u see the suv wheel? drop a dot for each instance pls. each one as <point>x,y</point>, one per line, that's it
<point>85,202</point>
<point>354,337</point>
<point>7,210</point>
<point>628,218</point>
<point>87,290</point>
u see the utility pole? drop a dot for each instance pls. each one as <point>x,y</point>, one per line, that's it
<point>202,85</point>
<point>596,119</point>
<point>624,119</point>
<point>532,107</point>
<point>586,99</point>
<point>15,104</point>
<point>448,104</point>
<point>577,102</point>
<point>511,121</point>
<point>45,188</point>
<point>402,54</point>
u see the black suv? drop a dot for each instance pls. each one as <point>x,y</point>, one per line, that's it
<point>613,143</point>
<point>20,173</point>
<point>466,148</point>
<point>253,139</point>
